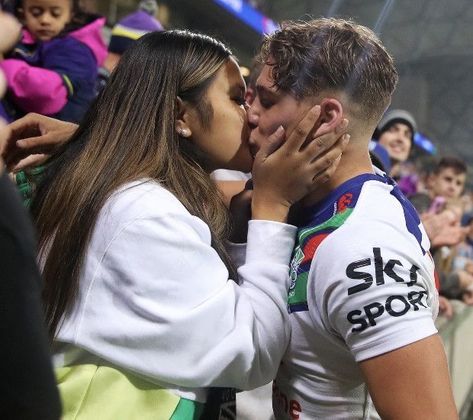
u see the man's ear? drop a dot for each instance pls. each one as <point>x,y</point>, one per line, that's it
<point>183,119</point>
<point>331,115</point>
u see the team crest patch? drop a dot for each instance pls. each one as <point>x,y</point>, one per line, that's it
<point>297,298</point>
<point>308,240</point>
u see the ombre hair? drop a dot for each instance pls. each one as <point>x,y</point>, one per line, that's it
<point>129,134</point>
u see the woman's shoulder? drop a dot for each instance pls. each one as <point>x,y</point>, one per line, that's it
<point>145,198</point>
<point>145,205</point>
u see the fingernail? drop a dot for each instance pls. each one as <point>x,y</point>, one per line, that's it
<point>20,143</point>
<point>345,123</point>
<point>280,130</point>
<point>346,139</point>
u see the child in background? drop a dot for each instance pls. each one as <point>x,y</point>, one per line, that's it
<point>53,70</point>
<point>448,178</point>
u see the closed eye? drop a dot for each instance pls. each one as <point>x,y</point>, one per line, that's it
<point>265,103</point>
<point>240,100</point>
<point>36,11</point>
<point>266,98</point>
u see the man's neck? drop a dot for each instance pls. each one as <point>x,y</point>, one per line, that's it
<point>355,161</point>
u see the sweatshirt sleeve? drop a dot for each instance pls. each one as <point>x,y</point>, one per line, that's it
<point>169,312</point>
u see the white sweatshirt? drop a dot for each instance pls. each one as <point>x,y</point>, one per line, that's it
<point>155,298</point>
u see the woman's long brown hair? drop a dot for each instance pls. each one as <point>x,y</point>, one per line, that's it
<point>128,134</point>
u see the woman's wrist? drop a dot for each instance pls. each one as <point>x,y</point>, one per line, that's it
<point>266,209</point>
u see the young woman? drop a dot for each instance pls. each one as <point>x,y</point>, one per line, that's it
<point>132,238</point>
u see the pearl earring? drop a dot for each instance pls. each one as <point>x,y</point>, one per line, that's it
<point>182,132</point>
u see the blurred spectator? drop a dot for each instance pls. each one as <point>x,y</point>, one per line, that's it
<point>464,255</point>
<point>10,32</point>
<point>445,307</point>
<point>448,178</point>
<point>9,7</point>
<point>442,224</point>
<point>380,156</point>
<point>9,36</point>
<point>467,202</point>
<point>395,132</point>
<point>125,33</point>
<point>53,69</point>
<point>407,178</point>
<point>446,184</point>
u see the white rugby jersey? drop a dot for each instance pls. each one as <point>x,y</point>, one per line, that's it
<point>362,285</point>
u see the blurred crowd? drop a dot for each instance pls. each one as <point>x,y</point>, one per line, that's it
<point>436,186</point>
<point>56,63</point>
<point>61,78</point>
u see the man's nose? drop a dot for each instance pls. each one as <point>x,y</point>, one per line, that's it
<point>252,117</point>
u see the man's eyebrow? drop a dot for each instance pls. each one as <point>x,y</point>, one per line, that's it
<point>263,90</point>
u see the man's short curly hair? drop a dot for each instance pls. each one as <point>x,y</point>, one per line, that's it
<point>331,54</point>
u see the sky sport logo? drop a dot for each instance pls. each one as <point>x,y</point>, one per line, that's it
<point>396,305</point>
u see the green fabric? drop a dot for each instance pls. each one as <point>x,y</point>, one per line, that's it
<point>298,293</point>
<point>91,392</point>
<point>334,222</point>
<point>27,181</point>
<point>187,409</point>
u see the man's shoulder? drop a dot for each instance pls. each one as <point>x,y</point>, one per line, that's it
<point>381,226</point>
<point>373,214</point>
<point>349,222</point>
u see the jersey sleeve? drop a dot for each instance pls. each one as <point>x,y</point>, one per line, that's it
<point>172,314</point>
<point>375,292</point>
